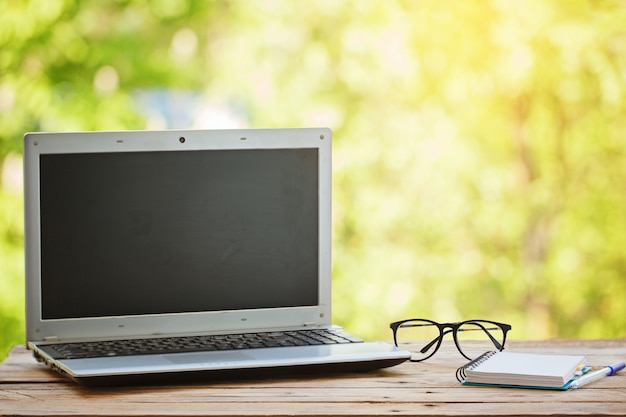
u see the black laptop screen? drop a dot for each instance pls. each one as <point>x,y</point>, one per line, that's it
<point>183,231</point>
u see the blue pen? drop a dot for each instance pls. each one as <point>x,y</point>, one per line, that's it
<point>595,375</point>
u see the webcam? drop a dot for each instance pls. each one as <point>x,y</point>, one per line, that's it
<point>181,139</point>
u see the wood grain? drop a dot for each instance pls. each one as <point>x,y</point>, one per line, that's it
<point>28,388</point>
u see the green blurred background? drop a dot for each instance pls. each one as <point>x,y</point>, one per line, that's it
<point>479,146</point>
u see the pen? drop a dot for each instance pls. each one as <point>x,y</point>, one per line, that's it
<point>595,375</point>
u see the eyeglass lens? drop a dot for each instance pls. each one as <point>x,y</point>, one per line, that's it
<point>423,338</point>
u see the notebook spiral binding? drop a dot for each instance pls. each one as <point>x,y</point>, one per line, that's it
<point>460,373</point>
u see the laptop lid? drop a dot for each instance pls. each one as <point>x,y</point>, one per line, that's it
<point>140,233</point>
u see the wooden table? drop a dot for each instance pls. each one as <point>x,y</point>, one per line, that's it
<point>425,389</point>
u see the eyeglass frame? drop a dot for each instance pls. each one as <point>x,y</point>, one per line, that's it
<point>454,329</point>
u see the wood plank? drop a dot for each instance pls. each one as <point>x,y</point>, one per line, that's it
<point>101,407</point>
<point>54,392</point>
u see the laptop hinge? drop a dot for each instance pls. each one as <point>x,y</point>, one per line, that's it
<point>51,339</point>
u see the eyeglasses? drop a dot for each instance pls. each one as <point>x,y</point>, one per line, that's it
<point>469,336</point>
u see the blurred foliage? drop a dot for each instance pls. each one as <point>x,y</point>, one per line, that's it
<point>479,146</point>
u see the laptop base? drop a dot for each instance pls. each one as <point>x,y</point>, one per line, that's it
<point>252,374</point>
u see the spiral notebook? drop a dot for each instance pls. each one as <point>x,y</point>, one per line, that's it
<point>522,370</point>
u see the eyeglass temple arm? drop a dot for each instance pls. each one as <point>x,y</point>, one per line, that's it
<point>486,330</point>
<point>497,344</point>
<point>448,331</point>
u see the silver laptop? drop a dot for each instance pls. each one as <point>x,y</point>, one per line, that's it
<point>184,253</point>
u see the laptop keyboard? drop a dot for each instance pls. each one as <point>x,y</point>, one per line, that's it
<point>85,350</point>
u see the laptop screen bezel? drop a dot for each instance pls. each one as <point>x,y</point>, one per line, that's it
<point>37,144</point>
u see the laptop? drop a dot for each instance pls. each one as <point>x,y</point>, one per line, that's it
<point>153,255</point>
